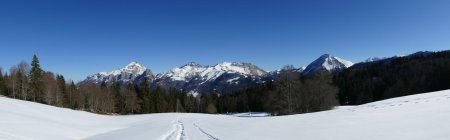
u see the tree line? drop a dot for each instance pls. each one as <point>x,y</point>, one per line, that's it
<point>31,83</point>
<point>289,93</point>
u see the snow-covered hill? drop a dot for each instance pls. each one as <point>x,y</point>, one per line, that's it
<point>417,117</point>
<point>329,63</point>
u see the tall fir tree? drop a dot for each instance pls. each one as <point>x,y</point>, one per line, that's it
<point>147,104</point>
<point>72,92</point>
<point>160,103</point>
<point>2,83</point>
<point>118,98</point>
<point>36,83</point>
<point>131,100</point>
<point>63,98</point>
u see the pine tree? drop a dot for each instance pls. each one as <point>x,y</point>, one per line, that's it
<point>131,100</point>
<point>147,104</point>
<point>72,93</point>
<point>36,84</point>
<point>160,101</point>
<point>62,97</point>
<point>118,99</point>
<point>2,83</point>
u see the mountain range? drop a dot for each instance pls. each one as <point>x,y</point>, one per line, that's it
<point>223,78</point>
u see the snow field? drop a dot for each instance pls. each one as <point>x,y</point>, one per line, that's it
<point>417,117</point>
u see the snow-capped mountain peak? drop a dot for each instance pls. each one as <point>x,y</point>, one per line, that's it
<point>373,59</point>
<point>192,64</point>
<point>329,63</point>
<point>127,74</point>
<point>183,73</point>
<point>246,69</point>
<point>133,68</point>
<point>242,68</point>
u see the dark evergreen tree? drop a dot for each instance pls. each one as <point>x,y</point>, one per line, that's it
<point>36,84</point>
<point>190,103</point>
<point>131,100</point>
<point>74,97</point>
<point>62,98</point>
<point>147,102</point>
<point>119,104</point>
<point>160,102</point>
<point>3,90</point>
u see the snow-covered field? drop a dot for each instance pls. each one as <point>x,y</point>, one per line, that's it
<point>417,117</point>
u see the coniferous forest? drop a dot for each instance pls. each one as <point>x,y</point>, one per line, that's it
<point>288,93</point>
<point>417,73</point>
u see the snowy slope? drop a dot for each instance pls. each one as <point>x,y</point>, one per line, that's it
<point>417,117</point>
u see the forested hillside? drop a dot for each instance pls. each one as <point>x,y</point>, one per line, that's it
<point>417,73</point>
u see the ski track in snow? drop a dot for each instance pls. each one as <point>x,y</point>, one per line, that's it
<point>179,132</point>
<point>203,131</point>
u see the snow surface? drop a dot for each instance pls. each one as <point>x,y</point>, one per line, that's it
<point>417,117</point>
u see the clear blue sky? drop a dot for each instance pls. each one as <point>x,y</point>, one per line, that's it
<point>81,37</point>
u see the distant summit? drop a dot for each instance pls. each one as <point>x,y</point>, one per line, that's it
<point>131,72</point>
<point>328,63</point>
